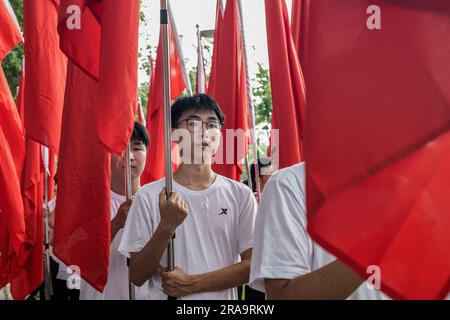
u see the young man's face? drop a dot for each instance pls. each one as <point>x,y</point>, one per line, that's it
<point>138,156</point>
<point>200,132</point>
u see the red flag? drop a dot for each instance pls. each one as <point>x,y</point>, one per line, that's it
<point>82,223</point>
<point>377,142</point>
<point>287,84</point>
<point>215,56</point>
<point>154,167</point>
<point>12,152</point>
<point>31,275</point>
<point>9,32</point>
<point>230,92</point>
<point>46,69</point>
<point>299,26</point>
<point>105,45</point>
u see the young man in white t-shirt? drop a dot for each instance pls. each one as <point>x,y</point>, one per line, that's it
<point>212,215</point>
<point>287,264</point>
<point>117,286</point>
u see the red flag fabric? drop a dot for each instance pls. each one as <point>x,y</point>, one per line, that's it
<point>154,167</point>
<point>12,152</point>
<point>287,84</point>
<point>299,26</point>
<point>377,140</point>
<point>9,32</point>
<point>215,56</point>
<point>230,92</point>
<point>31,274</point>
<point>82,219</point>
<point>45,77</point>
<point>106,46</point>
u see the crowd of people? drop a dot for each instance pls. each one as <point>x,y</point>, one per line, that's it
<point>225,241</point>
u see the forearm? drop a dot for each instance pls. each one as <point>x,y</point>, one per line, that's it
<point>114,230</point>
<point>334,281</point>
<point>228,277</point>
<point>144,263</point>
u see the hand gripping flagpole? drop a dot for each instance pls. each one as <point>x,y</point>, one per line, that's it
<point>48,290</point>
<point>167,120</point>
<point>250,106</point>
<point>129,195</point>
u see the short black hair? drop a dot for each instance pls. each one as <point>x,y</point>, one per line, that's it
<point>197,102</point>
<point>140,134</point>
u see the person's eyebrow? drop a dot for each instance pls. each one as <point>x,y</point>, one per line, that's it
<point>213,118</point>
<point>193,117</point>
<point>138,142</point>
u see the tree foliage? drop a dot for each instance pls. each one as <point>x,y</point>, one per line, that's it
<point>262,96</point>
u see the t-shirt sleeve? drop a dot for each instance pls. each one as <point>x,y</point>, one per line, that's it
<point>139,226</point>
<point>282,248</point>
<point>247,221</point>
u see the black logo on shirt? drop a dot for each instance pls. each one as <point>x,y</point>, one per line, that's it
<point>224,211</point>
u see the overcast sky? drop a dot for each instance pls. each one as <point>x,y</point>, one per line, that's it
<point>188,13</point>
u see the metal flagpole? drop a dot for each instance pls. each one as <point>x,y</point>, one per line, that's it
<point>129,195</point>
<point>48,291</point>
<point>167,120</point>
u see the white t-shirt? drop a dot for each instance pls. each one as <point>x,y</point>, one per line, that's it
<point>218,228</point>
<point>283,249</point>
<point>117,286</point>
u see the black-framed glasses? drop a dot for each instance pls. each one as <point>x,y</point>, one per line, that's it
<point>195,125</point>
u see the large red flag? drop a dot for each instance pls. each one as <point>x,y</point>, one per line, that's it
<point>31,274</point>
<point>215,56</point>
<point>82,219</point>
<point>230,92</point>
<point>377,140</point>
<point>103,41</point>
<point>45,73</point>
<point>12,153</point>
<point>287,84</point>
<point>299,26</point>
<point>154,168</point>
<point>9,32</point>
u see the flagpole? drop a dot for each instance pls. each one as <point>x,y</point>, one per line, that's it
<point>250,105</point>
<point>129,195</point>
<point>167,120</point>
<point>201,81</point>
<point>48,290</point>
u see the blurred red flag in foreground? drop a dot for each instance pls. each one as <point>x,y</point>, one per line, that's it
<point>377,141</point>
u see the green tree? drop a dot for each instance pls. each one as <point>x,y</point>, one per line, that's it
<point>12,64</point>
<point>262,96</point>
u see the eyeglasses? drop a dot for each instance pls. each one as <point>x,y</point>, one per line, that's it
<point>195,125</point>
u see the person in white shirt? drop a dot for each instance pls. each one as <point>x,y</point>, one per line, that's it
<point>287,264</point>
<point>117,286</point>
<point>212,215</point>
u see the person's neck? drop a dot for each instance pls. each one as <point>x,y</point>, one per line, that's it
<point>194,176</point>
<point>119,186</point>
